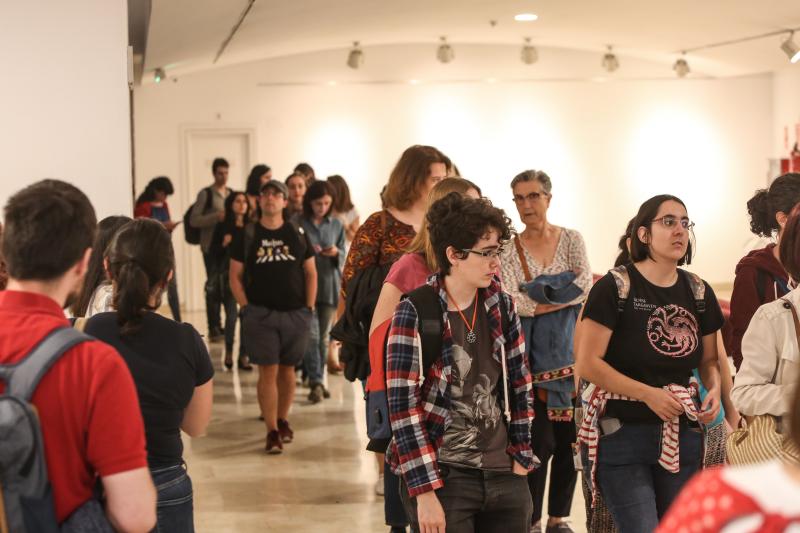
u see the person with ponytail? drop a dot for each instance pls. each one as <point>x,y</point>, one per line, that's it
<point>168,360</point>
<point>760,277</point>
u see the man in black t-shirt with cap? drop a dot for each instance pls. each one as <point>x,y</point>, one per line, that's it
<point>274,280</point>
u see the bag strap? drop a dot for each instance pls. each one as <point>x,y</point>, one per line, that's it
<point>23,377</point>
<point>789,305</point>
<point>623,281</point>
<point>698,290</point>
<point>430,324</point>
<point>525,270</point>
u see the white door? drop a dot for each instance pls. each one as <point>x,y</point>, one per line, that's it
<point>201,147</point>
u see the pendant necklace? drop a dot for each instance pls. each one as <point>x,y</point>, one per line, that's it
<point>471,336</point>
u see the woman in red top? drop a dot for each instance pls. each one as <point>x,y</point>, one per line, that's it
<point>762,497</point>
<point>760,278</point>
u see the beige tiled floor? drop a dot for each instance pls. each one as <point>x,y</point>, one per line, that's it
<point>322,482</point>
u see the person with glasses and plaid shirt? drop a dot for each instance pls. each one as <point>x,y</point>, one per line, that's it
<point>461,428</point>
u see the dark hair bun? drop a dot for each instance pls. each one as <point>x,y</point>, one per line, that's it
<point>761,223</point>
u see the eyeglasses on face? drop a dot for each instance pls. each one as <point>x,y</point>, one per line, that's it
<point>494,253</point>
<point>531,197</point>
<point>669,222</point>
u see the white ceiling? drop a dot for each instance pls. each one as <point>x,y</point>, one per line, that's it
<point>185,35</point>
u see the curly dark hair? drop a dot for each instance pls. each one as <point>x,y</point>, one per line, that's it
<point>460,221</point>
<point>782,195</point>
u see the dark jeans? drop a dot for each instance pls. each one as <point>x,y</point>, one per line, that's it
<point>636,489</point>
<point>172,298</point>
<point>231,312</point>
<point>174,505</point>
<point>552,440</point>
<point>213,290</point>
<point>394,511</point>
<point>479,501</point>
<point>318,338</point>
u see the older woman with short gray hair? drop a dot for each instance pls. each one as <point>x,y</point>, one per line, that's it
<point>546,270</point>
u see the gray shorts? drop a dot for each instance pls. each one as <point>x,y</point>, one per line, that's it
<point>275,337</point>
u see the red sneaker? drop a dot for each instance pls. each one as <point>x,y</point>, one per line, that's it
<point>286,433</point>
<point>274,444</point>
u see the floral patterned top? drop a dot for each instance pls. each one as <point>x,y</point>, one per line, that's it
<point>380,240</point>
<point>570,255</point>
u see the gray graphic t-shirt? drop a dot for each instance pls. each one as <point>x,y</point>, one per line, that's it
<point>476,436</point>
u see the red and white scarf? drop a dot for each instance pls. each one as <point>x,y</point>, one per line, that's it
<point>669,459</point>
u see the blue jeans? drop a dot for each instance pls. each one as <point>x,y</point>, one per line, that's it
<point>636,489</point>
<point>174,506</point>
<point>318,339</point>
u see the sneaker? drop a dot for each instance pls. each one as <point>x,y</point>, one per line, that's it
<point>561,527</point>
<point>274,444</point>
<point>316,394</point>
<point>285,431</point>
<point>379,485</point>
<point>536,528</point>
<point>325,392</point>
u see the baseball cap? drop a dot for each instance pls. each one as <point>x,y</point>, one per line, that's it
<point>278,186</point>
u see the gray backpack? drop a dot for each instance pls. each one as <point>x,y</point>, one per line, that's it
<point>27,502</point>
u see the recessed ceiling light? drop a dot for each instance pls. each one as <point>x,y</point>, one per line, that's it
<point>525,17</point>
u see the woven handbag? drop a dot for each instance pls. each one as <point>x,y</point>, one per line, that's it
<point>759,439</point>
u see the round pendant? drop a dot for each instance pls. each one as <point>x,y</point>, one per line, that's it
<point>471,337</point>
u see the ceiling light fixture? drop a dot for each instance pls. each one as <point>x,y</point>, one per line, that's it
<point>525,17</point>
<point>528,55</point>
<point>681,66</point>
<point>445,52</point>
<point>610,61</point>
<point>159,75</point>
<point>356,57</point>
<point>791,49</point>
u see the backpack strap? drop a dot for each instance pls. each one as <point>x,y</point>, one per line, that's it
<point>430,324</point>
<point>698,290</point>
<point>23,377</point>
<point>209,200</point>
<point>623,281</point>
<point>525,270</point>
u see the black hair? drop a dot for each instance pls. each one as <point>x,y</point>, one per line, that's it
<point>315,191</point>
<point>48,228</point>
<point>219,162</point>
<point>624,256</point>
<point>460,221</point>
<point>96,272</point>
<point>161,183</point>
<point>644,218</point>
<point>140,258</point>
<point>781,196</point>
<point>230,216</point>
<point>254,179</point>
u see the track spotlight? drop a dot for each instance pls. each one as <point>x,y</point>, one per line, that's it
<point>356,57</point>
<point>159,75</point>
<point>681,67</point>
<point>791,49</point>
<point>610,61</point>
<point>445,52</point>
<point>528,55</point>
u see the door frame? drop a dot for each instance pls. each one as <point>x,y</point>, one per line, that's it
<point>186,133</point>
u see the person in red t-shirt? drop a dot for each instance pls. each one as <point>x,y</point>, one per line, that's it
<point>87,403</point>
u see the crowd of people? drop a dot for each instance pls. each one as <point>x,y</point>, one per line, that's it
<point>497,368</point>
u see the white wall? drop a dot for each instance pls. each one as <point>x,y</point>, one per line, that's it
<point>64,96</point>
<point>607,145</point>
<point>786,110</point>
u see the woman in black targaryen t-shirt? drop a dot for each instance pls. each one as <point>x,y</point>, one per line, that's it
<point>643,424</point>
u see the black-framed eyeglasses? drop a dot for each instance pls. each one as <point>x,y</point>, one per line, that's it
<point>669,222</point>
<point>494,253</point>
<point>531,197</point>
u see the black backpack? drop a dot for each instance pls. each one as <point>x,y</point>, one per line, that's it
<point>430,324</point>
<point>190,233</point>
<point>27,502</point>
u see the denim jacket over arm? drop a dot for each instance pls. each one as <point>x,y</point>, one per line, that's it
<point>419,410</point>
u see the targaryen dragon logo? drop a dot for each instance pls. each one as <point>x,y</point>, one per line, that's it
<point>672,331</point>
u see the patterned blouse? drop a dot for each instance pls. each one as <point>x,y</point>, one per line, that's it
<point>380,240</point>
<point>570,255</point>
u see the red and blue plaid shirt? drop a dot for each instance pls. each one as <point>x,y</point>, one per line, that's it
<point>419,413</point>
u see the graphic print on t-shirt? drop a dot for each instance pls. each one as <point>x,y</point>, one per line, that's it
<point>273,250</point>
<point>673,331</point>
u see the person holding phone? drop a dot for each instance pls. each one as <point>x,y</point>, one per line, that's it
<point>643,424</point>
